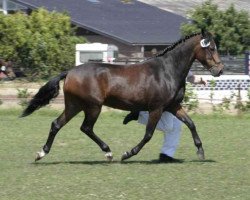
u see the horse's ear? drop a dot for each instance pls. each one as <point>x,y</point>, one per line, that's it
<point>204,33</point>
<point>205,42</point>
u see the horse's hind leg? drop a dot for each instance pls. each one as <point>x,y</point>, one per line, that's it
<point>91,115</point>
<point>56,125</point>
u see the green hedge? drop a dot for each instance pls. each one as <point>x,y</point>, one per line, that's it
<point>42,43</point>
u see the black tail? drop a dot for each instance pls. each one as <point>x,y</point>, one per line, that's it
<point>47,92</point>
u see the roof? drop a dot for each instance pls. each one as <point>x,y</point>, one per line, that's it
<point>183,6</point>
<point>133,23</point>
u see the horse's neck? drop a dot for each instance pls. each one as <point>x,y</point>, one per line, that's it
<point>182,58</point>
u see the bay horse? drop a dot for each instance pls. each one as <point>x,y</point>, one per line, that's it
<point>155,85</point>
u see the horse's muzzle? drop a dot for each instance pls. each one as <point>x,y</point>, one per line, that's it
<point>216,71</point>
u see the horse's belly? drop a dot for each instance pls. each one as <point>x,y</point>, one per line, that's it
<point>123,104</point>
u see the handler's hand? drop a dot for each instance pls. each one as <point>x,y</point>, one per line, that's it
<point>203,82</point>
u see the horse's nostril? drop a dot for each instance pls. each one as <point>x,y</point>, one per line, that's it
<point>221,72</point>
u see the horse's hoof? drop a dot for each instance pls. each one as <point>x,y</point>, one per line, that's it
<point>125,121</point>
<point>201,155</point>
<point>40,155</point>
<point>109,156</point>
<point>125,156</point>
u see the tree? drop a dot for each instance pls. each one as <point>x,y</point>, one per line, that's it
<point>230,27</point>
<point>42,43</point>
<point>234,31</point>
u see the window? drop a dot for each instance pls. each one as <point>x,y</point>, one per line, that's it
<point>91,56</point>
<point>94,1</point>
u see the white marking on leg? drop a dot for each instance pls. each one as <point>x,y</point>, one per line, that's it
<point>40,155</point>
<point>125,153</point>
<point>109,156</point>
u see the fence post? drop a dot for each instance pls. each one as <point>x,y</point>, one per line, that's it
<point>247,62</point>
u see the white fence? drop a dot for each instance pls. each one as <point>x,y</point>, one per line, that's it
<point>223,86</point>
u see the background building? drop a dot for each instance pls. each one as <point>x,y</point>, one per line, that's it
<point>136,28</point>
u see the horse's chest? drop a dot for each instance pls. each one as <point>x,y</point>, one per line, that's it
<point>172,93</point>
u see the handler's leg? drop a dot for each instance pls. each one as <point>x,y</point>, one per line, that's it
<point>182,115</point>
<point>154,117</point>
<point>172,138</point>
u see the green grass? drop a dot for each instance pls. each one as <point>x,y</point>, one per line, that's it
<point>76,167</point>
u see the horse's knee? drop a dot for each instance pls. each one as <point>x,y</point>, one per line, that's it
<point>83,129</point>
<point>55,127</point>
<point>86,129</point>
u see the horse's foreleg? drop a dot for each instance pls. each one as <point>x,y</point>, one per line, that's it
<point>131,116</point>
<point>91,116</point>
<point>154,117</point>
<point>56,125</point>
<point>182,115</point>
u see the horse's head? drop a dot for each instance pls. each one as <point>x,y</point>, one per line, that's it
<point>206,52</point>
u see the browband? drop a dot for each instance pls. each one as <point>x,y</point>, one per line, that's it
<point>204,43</point>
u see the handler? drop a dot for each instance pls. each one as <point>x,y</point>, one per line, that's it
<point>171,126</point>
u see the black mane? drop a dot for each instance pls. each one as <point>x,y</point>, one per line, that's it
<point>171,47</point>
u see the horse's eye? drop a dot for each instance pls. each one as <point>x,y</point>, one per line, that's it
<point>212,48</point>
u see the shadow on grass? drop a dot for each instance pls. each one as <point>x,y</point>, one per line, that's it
<point>128,162</point>
<point>95,162</point>
<point>203,161</point>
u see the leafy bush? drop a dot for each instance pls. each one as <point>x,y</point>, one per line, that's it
<point>228,102</point>
<point>190,101</point>
<point>23,95</point>
<point>248,102</point>
<point>42,43</point>
<point>245,107</point>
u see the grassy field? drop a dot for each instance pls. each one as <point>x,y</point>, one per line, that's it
<point>76,167</point>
